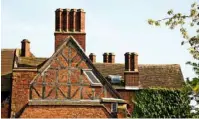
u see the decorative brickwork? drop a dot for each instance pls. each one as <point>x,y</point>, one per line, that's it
<point>70,22</point>
<point>64,79</point>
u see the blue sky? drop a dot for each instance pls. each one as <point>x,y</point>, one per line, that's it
<point>117,26</point>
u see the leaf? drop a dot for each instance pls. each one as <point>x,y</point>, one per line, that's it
<point>182,43</point>
<point>191,24</point>
<point>150,21</point>
<point>170,12</point>
<point>157,23</point>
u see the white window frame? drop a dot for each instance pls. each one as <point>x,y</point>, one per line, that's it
<point>92,83</point>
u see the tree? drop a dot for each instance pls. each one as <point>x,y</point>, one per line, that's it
<point>183,21</point>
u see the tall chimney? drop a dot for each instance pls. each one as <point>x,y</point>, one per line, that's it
<point>131,73</point>
<point>25,48</point>
<point>111,58</point>
<point>70,22</point>
<point>92,57</point>
<point>105,57</point>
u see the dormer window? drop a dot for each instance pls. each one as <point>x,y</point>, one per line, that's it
<point>91,77</point>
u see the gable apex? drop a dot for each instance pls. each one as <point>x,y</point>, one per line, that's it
<point>75,46</point>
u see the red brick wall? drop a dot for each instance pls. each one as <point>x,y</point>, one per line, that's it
<point>128,96</point>
<point>131,78</point>
<point>65,112</point>
<point>20,90</point>
<point>79,37</point>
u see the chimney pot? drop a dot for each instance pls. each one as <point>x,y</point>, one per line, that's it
<point>111,58</point>
<point>131,61</point>
<point>92,57</point>
<point>105,57</point>
<point>25,48</point>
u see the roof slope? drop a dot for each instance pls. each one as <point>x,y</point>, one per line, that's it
<point>7,59</point>
<point>31,61</point>
<point>153,75</point>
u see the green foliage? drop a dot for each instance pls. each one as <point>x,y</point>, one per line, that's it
<point>162,103</point>
<point>192,21</point>
<point>194,84</point>
<point>179,19</point>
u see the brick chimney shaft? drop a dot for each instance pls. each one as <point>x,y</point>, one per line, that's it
<point>25,48</point>
<point>131,73</point>
<point>70,22</point>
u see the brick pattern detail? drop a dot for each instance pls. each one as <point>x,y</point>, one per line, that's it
<point>70,22</point>
<point>80,37</point>
<point>20,90</point>
<point>65,112</point>
<point>131,78</point>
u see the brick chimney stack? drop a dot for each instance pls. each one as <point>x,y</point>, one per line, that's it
<point>70,22</point>
<point>108,57</point>
<point>131,73</point>
<point>25,48</point>
<point>92,57</point>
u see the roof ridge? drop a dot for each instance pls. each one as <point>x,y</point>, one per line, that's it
<point>138,64</point>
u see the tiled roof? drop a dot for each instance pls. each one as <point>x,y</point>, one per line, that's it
<point>31,61</point>
<point>7,58</point>
<point>150,75</point>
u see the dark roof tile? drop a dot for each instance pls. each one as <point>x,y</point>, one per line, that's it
<point>151,75</point>
<point>7,59</point>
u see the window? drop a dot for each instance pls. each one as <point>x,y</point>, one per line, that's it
<point>92,78</point>
<point>115,78</point>
<point>114,107</point>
